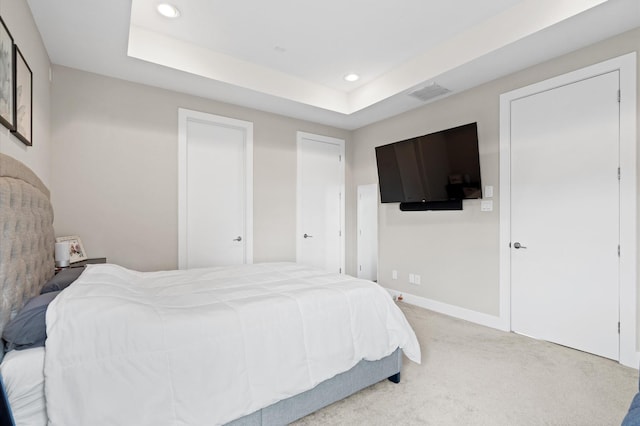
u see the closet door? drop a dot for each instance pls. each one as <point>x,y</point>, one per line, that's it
<point>320,202</point>
<point>368,232</point>
<point>565,210</point>
<point>215,194</point>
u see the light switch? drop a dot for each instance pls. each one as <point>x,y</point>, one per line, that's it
<point>486,205</point>
<point>488,191</point>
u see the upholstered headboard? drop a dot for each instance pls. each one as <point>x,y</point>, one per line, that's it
<point>26,239</point>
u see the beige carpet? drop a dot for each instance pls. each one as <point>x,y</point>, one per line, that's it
<point>474,375</point>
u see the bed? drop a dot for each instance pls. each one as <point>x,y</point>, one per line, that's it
<point>243,345</point>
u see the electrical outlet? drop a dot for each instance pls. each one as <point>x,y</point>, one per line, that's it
<point>414,279</point>
<point>394,274</point>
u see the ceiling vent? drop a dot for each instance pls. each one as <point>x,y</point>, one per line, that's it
<point>429,92</point>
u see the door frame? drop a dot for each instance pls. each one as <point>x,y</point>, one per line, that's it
<point>322,139</point>
<point>626,66</point>
<point>184,117</point>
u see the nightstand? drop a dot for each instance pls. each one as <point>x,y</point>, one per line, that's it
<point>82,263</point>
<point>92,261</point>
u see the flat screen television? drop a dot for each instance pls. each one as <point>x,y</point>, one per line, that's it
<point>436,167</point>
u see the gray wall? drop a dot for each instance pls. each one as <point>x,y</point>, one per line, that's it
<point>115,169</point>
<point>456,253</point>
<point>17,16</point>
<point>115,178</point>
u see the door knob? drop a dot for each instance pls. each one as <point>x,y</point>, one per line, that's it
<point>237,239</point>
<point>518,245</point>
<point>308,236</point>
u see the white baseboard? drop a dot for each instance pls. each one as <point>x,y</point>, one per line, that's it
<point>451,310</point>
<point>633,362</point>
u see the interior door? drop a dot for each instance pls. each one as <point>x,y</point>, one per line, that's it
<point>215,193</point>
<point>565,215</point>
<point>320,240</point>
<point>368,232</point>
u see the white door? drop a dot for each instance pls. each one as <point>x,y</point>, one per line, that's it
<point>215,163</point>
<point>368,232</point>
<point>320,202</point>
<point>565,215</point>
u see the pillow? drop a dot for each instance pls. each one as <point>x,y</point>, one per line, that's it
<point>29,328</point>
<point>62,280</point>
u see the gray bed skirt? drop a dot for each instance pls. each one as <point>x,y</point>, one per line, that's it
<point>364,374</point>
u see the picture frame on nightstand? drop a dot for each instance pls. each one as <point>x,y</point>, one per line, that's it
<point>76,249</point>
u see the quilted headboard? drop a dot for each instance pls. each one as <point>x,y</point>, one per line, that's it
<point>27,236</point>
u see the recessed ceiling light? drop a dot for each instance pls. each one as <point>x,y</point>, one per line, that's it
<point>352,77</point>
<point>168,10</point>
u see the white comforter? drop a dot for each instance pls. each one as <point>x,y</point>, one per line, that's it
<point>206,346</point>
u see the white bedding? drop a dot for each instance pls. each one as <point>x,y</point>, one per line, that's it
<point>207,346</point>
<point>22,372</point>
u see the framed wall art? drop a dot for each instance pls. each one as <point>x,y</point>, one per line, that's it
<point>23,99</point>
<point>76,250</point>
<point>7,78</point>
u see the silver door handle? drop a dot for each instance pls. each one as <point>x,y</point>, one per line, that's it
<point>237,239</point>
<point>308,236</point>
<point>518,245</point>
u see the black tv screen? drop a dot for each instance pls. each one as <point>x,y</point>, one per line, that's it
<point>439,166</point>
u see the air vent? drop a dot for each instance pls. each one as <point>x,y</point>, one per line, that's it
<point>429,92</point>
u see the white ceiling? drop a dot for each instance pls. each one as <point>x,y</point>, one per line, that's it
<point>289,56</point>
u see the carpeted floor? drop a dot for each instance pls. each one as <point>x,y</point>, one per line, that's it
<point>474,375</point>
